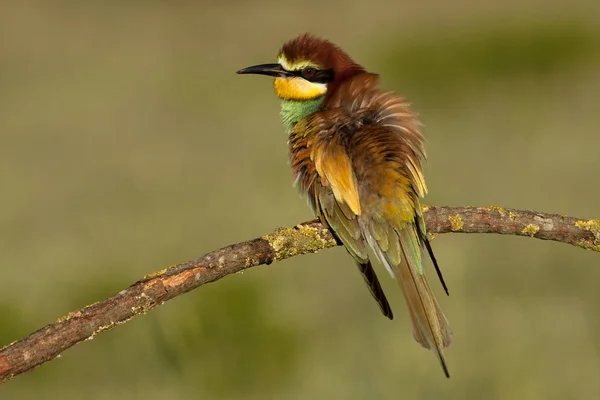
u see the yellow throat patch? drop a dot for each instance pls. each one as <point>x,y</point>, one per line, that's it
<point>297,88</point>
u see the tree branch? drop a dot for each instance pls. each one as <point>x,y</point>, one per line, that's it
<point>309,237</point>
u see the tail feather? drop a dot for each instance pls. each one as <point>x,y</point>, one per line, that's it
<point>368,273</point>
<point>435,264</point>
<point>403,258</point>
<point>430,327</point>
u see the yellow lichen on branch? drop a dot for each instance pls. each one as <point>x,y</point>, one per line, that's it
<point>530,230</point>
<point>456,222</point>
<point>593,226</point>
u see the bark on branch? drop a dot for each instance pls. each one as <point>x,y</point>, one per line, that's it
<point>309,237</point>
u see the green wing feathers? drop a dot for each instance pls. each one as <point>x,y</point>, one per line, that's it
<point>343,223</point>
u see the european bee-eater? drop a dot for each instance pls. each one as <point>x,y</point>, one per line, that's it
<point>356,152</point>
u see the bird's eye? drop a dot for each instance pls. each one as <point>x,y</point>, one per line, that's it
<point>308,72</point>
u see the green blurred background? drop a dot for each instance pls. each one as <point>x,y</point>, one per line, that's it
<point>127,143</point>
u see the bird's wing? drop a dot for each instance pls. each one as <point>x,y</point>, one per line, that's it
<point>325,172</point>
<point>345,227</point>
<point>385,148</point>
<point>394,227</point>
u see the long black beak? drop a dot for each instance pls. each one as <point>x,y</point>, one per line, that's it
<point>265,69</point>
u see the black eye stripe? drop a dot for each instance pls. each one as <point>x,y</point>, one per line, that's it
<point>319,76</point>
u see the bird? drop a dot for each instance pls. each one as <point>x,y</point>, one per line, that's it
<point>357,152</point>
